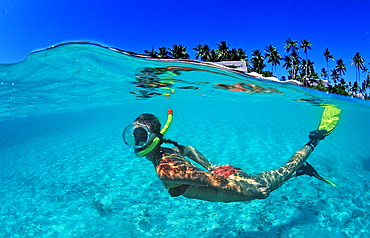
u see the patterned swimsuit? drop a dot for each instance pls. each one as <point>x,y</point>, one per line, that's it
<point>172,163</point>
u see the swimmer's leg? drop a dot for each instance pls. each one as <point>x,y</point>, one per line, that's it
<point>277,177</point>
<point>270,180</point>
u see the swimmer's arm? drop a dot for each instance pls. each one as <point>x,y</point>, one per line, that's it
<point>197,157</point>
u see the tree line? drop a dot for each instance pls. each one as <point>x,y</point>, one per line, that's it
<point>298,67</point>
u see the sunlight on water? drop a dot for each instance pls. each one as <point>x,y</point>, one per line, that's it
<point>65,171</point>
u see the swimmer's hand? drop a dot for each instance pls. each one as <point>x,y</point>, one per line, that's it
<point>215,166</point>
<point>262,191</point>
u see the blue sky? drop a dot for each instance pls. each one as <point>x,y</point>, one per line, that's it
<point>342,26</point>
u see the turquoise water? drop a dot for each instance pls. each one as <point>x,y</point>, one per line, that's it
<point>66,173</point>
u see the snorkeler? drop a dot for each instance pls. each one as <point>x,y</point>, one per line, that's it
<point>223,183</point>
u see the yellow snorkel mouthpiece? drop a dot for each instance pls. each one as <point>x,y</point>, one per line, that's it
<point>156,140</point>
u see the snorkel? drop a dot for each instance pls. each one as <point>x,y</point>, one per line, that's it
<point>158,138</point>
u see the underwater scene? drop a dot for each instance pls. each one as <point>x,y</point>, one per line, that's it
<point>66,172</point>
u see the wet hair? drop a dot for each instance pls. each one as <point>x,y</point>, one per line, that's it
<point>170,142</point>
<point>154,126</point>
<point>151,121</point>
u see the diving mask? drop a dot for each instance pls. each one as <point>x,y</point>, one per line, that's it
<point>139,137</point>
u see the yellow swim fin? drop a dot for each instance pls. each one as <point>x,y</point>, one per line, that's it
<point>324,180</point>
<point>330,118</point>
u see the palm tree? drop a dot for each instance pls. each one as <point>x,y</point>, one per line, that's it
<point>163,53</point>
<point>335,76</point>
<point>203,51</point>
<point>291,45</point>
<point>223,50</point>
<point>365,70</point>
<point>242,55</point>
<point>288,65</point>
<point>327,54</point>
<point>213,56</point>
<point>307,67</point>
<point>296,60</point>
<point>236,55</point>
<point>305,45</point>
<point>363,88</point>
<point>358,62</point>
<point>273,57</point>
<point>232,55</point>
<point>257,61</point>
<point>324,73</point>
<point>341,67</point>
<point>199,51</point>
<point>288,62</point>
<point>355,87</point>
<point>366,85</point>
<point>153,53</point>
<point>179,52</point>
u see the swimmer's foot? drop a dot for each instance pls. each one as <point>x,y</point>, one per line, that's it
<point>307,169</point>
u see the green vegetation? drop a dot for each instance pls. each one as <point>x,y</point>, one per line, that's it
<point>297,68</point>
